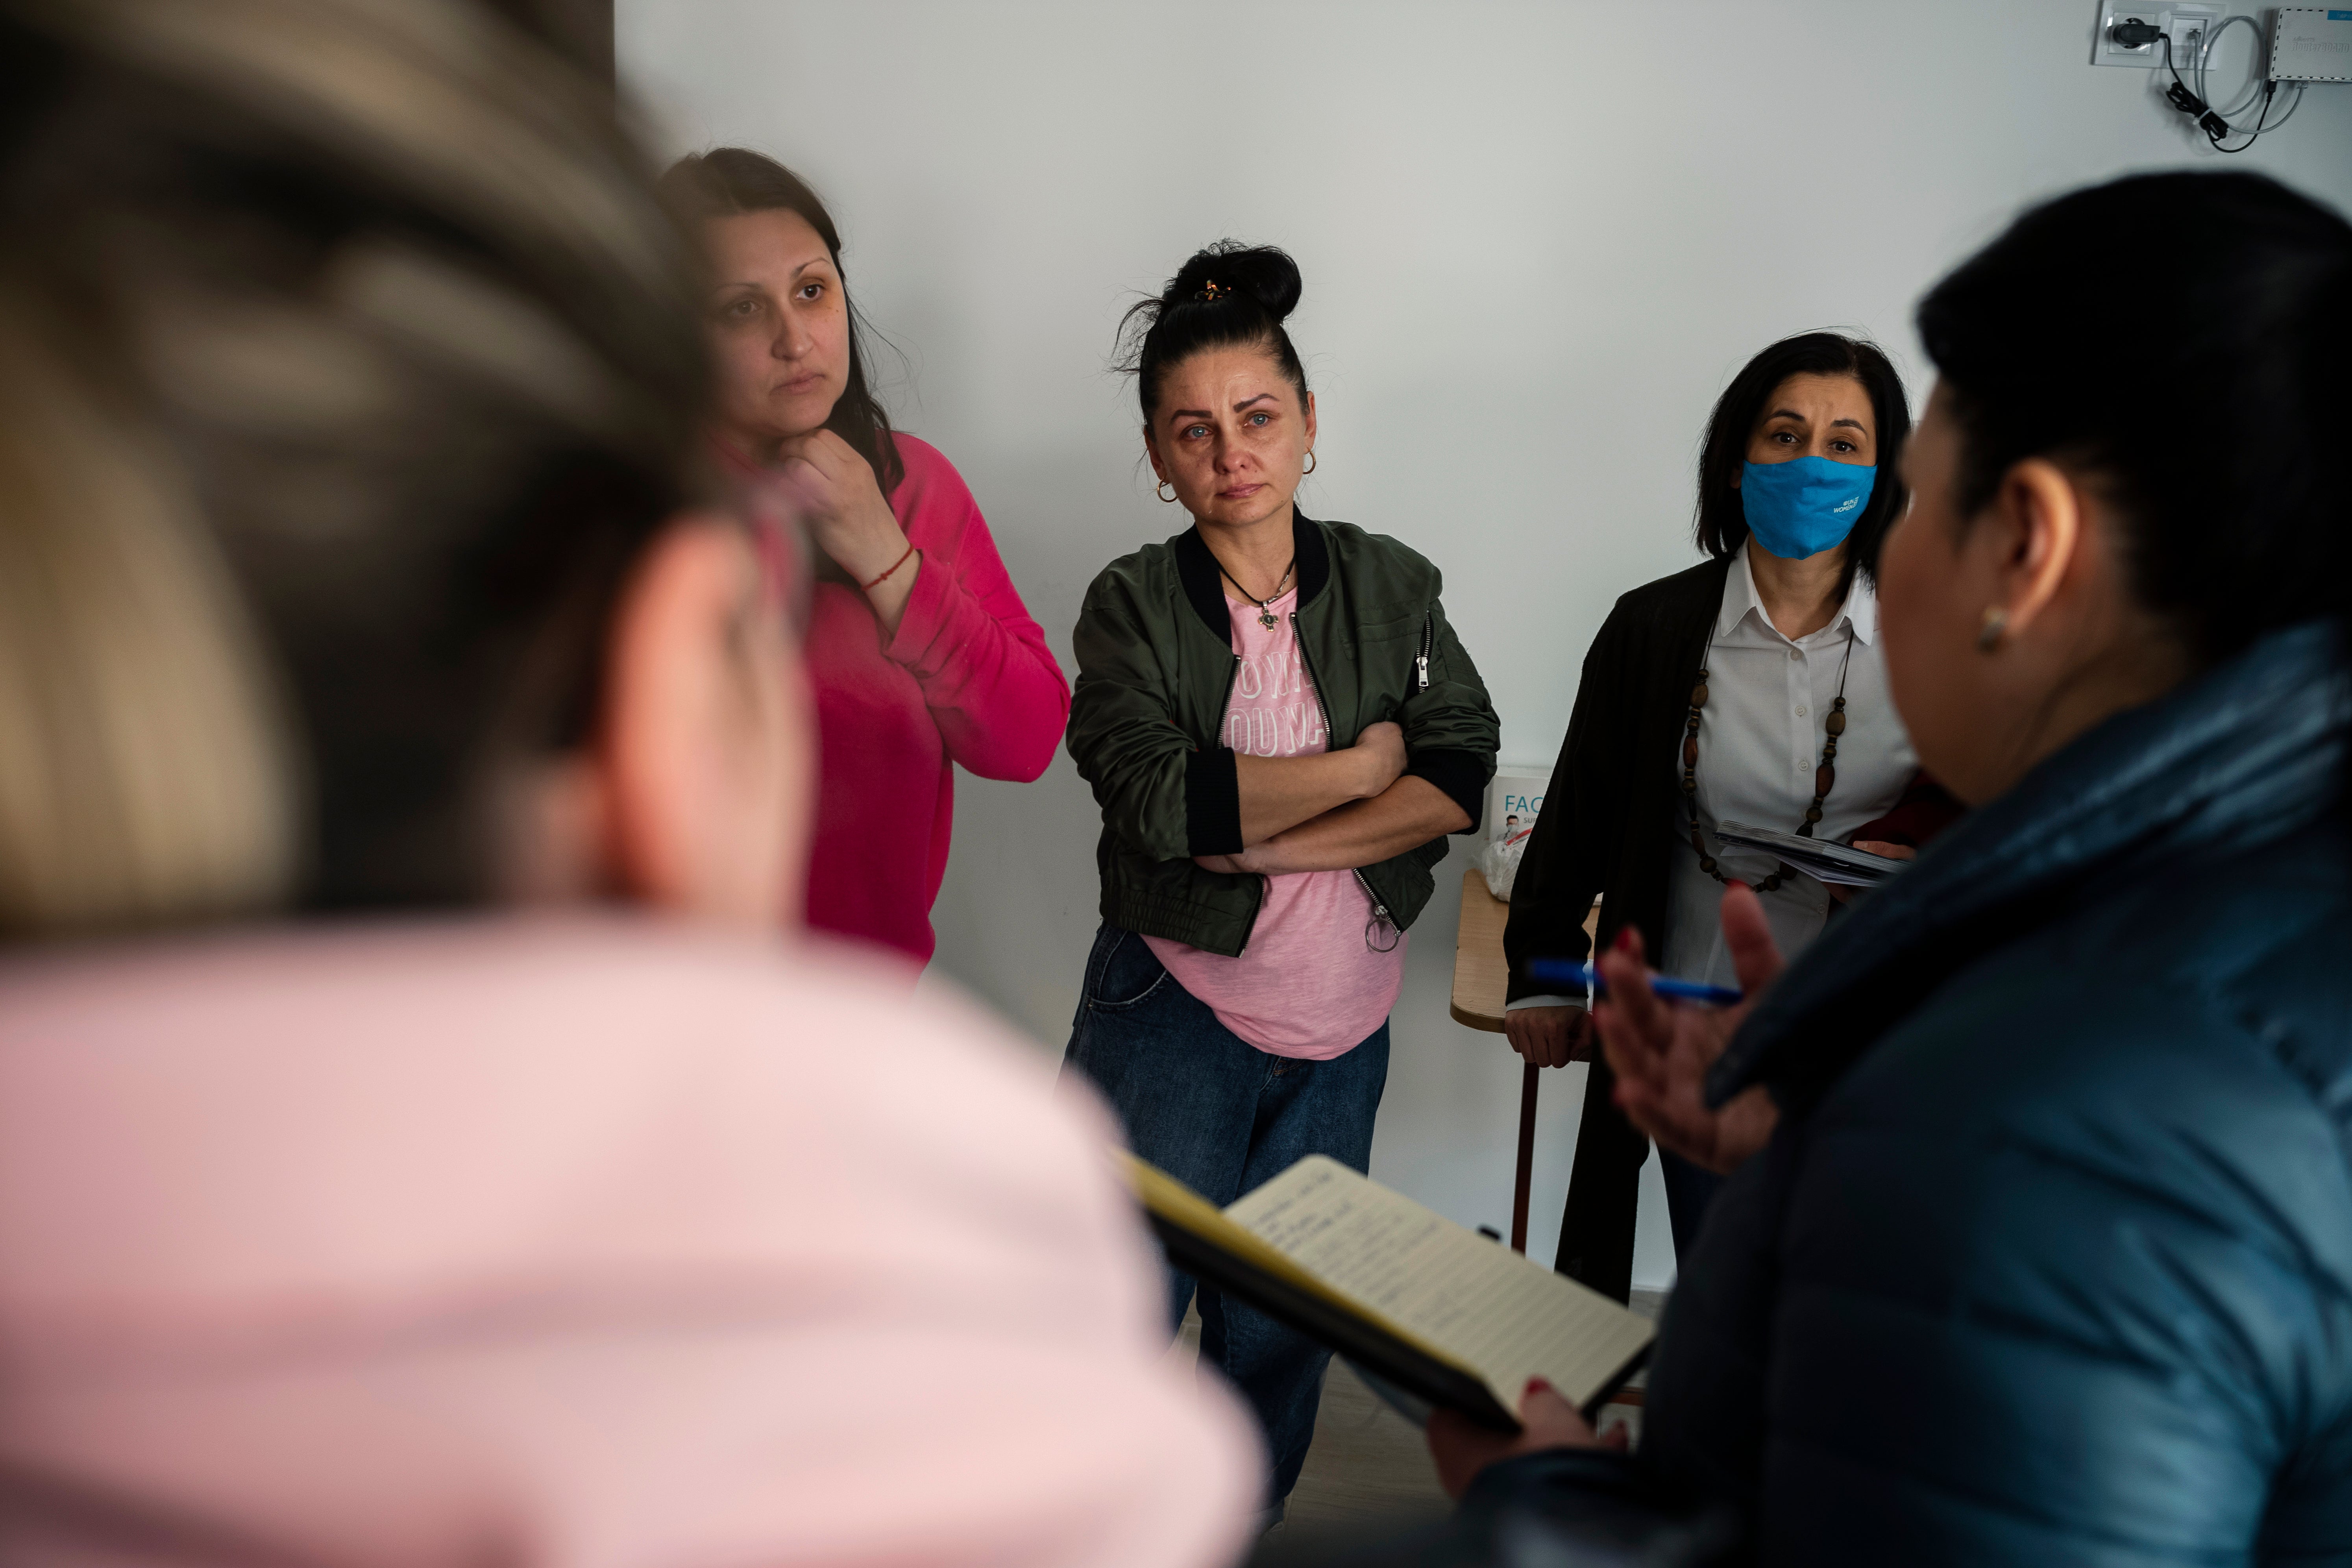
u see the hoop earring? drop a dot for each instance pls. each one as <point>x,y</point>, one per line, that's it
<point>1996,622</point>
<point>1310,464</point>
<point>1163,485</point>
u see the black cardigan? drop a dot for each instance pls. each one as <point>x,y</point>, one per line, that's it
<point>1613,812</point>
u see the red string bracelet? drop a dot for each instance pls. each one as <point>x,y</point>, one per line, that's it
<point>869,588</point>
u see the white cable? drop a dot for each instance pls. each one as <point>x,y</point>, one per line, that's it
<point>2205,55</point>
<point>2261,129</point>
<point>2258,88</point>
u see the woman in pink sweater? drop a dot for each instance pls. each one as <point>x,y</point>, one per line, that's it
<point>920,651</point>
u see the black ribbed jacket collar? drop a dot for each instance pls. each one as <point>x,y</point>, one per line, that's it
<point>1199,572</point>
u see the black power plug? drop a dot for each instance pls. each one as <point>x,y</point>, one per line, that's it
<point>2132,34</point>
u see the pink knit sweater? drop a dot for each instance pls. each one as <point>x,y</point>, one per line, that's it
<point>968,680</point>
<point>570,1241</point>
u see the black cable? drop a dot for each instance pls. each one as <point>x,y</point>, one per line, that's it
<point>2133,34</point>
<point>2206,117</point>
<point>2262,123</point>
<point>2182,98</point>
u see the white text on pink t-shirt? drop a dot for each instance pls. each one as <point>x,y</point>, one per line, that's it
<point>1313,980</point>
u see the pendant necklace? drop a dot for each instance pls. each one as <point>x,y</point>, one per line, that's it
<point>1265,618</point>
<point>1824,777</point>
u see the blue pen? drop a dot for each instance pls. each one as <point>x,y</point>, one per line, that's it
<point>1559,971</point>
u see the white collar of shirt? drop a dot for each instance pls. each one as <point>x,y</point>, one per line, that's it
<point>1740,602</point>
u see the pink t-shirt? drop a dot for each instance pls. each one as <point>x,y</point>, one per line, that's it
<point>1310,982</point>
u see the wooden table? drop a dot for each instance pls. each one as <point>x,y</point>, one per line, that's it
<point>1482,978</point>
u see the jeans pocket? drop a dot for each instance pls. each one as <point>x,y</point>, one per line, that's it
<point>1125,971</point>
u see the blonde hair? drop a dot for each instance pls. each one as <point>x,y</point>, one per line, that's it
<point>144,775</point>
<point>345,359</point>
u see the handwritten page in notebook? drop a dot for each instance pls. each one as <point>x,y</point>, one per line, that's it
<point>1480,1303</point>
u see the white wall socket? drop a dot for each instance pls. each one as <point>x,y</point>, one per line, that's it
<point>2186,24</point>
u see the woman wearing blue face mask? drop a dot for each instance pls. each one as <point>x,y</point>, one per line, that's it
<point>1748,689</point>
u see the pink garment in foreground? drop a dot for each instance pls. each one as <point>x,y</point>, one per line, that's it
<point>570,1242</point>
<point>1308,983</point>
<point>968,680</point>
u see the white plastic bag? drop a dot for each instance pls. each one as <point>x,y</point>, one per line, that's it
<point>1500,862</point>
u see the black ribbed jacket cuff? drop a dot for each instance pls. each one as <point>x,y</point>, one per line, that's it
<point>1212,804</point>
<point>1461,775</point>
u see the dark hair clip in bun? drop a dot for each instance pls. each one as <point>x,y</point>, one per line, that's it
<point>1211,293</point>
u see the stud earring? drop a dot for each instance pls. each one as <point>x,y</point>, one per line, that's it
<point>1996,623</point>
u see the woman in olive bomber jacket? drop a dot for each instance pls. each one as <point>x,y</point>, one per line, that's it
<point>1155,664</point>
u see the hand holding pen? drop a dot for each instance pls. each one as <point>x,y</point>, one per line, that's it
<point>1554,1037</point>
<point>1661,1051</point>
<point>1560,972</point>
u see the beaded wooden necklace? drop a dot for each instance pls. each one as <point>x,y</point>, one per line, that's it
<point>1824,777</point>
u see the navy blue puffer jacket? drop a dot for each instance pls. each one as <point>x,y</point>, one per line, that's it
<point>2049,1259</point>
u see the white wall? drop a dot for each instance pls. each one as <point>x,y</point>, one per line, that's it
<point>1536,240</point>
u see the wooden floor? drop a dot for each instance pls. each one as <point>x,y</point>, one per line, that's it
<point>1368,1464</point>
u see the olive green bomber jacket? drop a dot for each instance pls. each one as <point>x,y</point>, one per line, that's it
<point>1156,665</point>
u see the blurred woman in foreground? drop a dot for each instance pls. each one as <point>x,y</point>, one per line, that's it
<point>919,652</point>
<point>342,566</point>
<point>2039,1246</point>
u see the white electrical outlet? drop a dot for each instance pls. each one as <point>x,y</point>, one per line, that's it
<point>2186,31</point>
<point>2186,24</point>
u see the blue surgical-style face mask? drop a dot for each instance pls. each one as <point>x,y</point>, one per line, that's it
<point>1805,505</point>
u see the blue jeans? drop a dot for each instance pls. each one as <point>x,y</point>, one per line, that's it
<point>1224,1117</point>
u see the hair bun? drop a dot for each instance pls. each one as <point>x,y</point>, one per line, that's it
<point>1229,294</point>
<point>1261,273</point>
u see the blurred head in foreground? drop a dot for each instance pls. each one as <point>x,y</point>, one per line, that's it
<point>347,371</point>
<point>347,366</point>
<point>2071,548</point>
<point>2075,1090</point>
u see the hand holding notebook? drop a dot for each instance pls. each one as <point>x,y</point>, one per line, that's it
<point>1821,859</point>
<point>1434,1314</point>
<point>1461,1449</point>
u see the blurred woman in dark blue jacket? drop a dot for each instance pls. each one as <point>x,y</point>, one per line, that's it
<point>2039,1245</point>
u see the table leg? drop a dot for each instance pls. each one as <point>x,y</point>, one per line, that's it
<point>1529,1080</point>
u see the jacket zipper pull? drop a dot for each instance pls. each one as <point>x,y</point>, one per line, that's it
<point>1420,660</point>
<point>1382,923</point>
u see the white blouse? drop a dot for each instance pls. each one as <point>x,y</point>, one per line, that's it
<point>1759,740</point>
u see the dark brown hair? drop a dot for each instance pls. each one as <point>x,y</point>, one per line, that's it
<point>730,182</point>
<point>1721,525</point>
